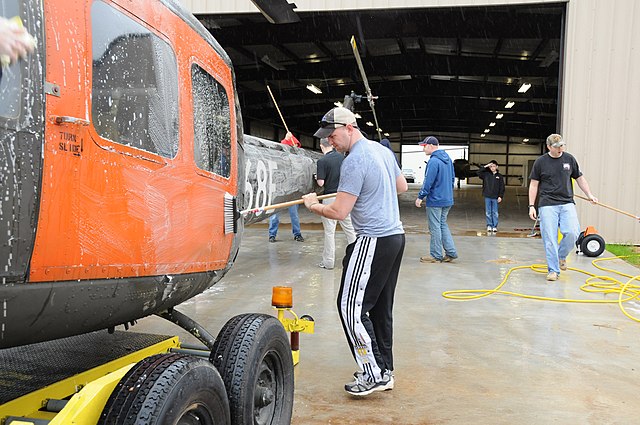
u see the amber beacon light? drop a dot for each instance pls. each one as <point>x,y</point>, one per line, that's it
<point>282,297</point>
<point>282,300</point>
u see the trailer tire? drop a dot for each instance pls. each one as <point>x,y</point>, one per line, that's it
<point>168,389</point>
<point>253,355</point>
<point>592,245</point>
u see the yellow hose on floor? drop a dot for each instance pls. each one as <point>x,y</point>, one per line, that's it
<point>594,284</point>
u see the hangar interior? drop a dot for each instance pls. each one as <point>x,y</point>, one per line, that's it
<point>483,77</point>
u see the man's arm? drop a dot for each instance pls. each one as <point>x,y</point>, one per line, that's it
<point>337,210</point>
<point>401,184</point>
<point>321,172</point>
<point>533,194</point>
<point>483,171</point>
<point>584,186</point>
<point>426,186</point>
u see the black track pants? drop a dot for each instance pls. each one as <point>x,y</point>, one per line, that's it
<point>365,300</point>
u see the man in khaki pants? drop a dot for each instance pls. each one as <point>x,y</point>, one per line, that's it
<point>328,176</point>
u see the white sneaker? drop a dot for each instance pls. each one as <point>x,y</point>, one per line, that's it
<point>361,386</point>
<point>386,375</point>
<point>489,228</point>
<point>323,266</point>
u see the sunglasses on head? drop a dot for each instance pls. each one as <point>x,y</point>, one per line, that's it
<point>324,124</point>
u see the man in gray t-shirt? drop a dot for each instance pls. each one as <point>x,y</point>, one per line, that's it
<point>370,181</point>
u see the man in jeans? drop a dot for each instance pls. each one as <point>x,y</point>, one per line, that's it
<point>274,220</point>
<point>551,184</point>
<point>437,188</point>
<point>493,192</point>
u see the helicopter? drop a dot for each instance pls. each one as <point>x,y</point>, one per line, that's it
<point>123,172</point>
<point>463,168</point>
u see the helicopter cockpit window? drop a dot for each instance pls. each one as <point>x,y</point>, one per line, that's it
<point>212,123</point>
<point>11,76</point>
<point>135,84</point>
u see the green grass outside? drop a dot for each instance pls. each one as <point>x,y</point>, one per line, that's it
<point>622,250</point>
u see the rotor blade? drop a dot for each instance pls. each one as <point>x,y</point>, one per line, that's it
<point>375,120</point>
<point>367,89</point>
<point>354,46</point>
<point>277,11</point>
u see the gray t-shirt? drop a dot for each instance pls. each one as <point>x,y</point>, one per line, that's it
<point>369,172</point>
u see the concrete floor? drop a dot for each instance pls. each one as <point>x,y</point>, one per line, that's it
<point>495,360</point>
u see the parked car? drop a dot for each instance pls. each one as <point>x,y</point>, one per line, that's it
<point>409,174</point>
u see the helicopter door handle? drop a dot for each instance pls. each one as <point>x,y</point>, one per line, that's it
<point>68,120</point>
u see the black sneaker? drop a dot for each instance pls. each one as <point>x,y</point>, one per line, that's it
<point>298,238</point>
<point>272,238</point>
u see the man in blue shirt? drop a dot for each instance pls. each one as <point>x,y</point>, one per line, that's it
<point>437,188</point>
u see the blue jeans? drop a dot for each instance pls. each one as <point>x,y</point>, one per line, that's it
<point>491,211</point>
<point>553,217</point>
<point>274,222</point>
<point>440,233</point>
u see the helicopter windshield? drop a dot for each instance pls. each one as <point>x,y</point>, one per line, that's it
<point>10,77</point>
<point>10,91</point>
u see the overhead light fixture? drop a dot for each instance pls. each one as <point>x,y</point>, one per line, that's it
<point>369,123</point>
<point>492,124</point>
<point>499,116</point>
<point>509,105</point>
<point>525,140</point>
<point>482,135</point>
<point>338,104</point>
<point>378,130</point>
<point>386,134</point>
<point>313,89</point>
<point>486,130</point>
<point>524,87</point>
<point>357,115</point>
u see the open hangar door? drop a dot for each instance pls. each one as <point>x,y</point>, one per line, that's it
<point>483,77</point>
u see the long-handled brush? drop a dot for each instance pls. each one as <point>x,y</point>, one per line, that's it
<point>609,207</point>
<point>283,205</point>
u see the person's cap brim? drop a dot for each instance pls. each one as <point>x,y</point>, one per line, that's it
<point>324,132</point>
